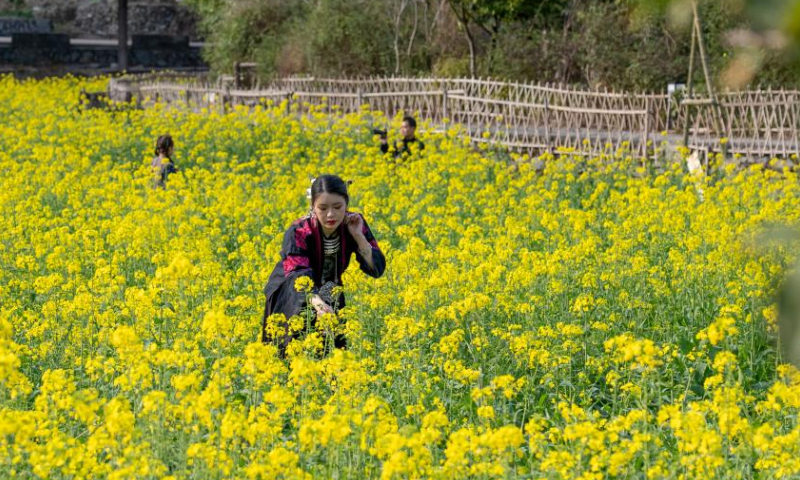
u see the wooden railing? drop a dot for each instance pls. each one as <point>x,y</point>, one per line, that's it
<point>530,118</point>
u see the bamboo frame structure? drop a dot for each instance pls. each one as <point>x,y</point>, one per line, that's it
<point>526,118</point>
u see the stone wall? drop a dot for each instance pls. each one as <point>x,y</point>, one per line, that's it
<point>10,26</point>
<point>98,18</point>
<point>55,49</point>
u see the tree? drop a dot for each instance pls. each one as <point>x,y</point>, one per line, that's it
<point>247,30</point>
<point>396,8</point>
<point>772,26</point>
<point>491,15</point>
<point>349,37</point>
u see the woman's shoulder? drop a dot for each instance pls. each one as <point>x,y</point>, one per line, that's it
<point>301,226</point>
<point>301,222</point>
<point>299,231</point>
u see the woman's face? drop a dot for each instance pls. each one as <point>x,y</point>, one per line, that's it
<point>330,209</point>
<point>167,152</point>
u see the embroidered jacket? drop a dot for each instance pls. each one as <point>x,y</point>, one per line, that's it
<point>302,255</point>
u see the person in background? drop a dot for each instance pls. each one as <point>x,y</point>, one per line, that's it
<point>162,164</point>
<point>408,139</point>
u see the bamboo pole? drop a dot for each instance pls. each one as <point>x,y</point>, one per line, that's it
<point>689,87</point>
<point>715,110</point>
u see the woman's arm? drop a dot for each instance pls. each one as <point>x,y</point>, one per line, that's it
<point>297,263</point>
<point>369,255</point>
<point>295,250</point>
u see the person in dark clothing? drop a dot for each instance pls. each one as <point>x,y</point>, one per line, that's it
<point>162,164</point>
<point>409,139</point>
<point>319,246</point>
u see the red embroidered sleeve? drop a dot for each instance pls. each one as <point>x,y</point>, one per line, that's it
<point>294,262</point>
<point>300,235</point>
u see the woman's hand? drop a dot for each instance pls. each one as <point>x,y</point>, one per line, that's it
<point>320,306</point>
<point>355,224</point>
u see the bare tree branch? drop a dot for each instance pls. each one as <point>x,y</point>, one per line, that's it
<point>413,31</point>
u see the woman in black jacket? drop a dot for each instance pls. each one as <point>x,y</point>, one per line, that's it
<point>319,246</point>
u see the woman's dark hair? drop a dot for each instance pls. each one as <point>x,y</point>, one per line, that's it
<point>164,144</point>
<point>410,121</point>
<point>329,184</point>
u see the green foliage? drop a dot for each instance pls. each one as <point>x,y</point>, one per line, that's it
<point>15,8</point>
<point>243,30</point>
<point>619,44</point>
<point>452,67</point>
<point>749,41</point>
<point>348,37</point>
<point>491,15</point>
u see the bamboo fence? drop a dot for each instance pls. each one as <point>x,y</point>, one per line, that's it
<point>527,118</point>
